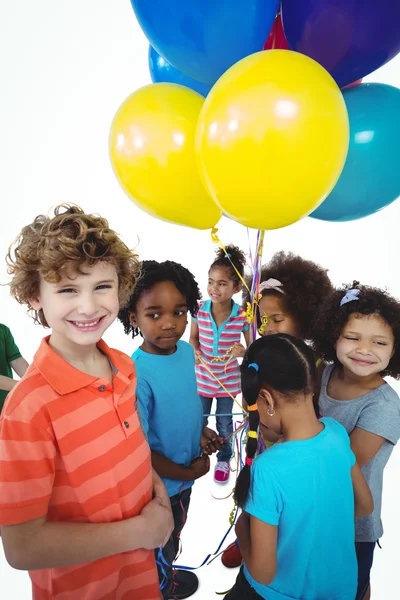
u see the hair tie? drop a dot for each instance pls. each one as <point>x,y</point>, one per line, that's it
<point>252,434</point>
<point>271,284</point>
<point>254,366</point>
<point>249,461</point>
<point>349,296</point>
<point>252,407</point>
<point>228,255</point>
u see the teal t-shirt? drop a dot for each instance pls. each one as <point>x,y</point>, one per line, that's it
<point>169,406</point>
<point>305,488</point>
<point>8,352</point>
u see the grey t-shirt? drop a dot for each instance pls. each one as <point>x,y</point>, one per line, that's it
<point>377,412</point>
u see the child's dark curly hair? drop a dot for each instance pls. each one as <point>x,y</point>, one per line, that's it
<point>332,318</point>
<point>153,272</point>
<point>225,259</point>
<point>305,285</point>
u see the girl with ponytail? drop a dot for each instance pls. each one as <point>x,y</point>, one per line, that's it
<point>299,498</point>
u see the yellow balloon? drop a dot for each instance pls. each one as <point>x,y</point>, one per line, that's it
<point>272,138</point>
<point>153,156</point>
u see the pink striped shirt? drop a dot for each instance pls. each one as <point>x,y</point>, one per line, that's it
<point>216,342</point>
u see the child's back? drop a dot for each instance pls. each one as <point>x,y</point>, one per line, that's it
<point>305,488</point>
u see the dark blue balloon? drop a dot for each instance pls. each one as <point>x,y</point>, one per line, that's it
<point>162,72</point>
<point>350,38</point>
<point>371,176</point>
<point>203,38</point>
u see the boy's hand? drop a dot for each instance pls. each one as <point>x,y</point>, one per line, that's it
<point>200,466</point>
<point>160,491</point>
<point>238,350</point>
<point>210,442</point>
<point>197,356</point>
<point>158,524</point>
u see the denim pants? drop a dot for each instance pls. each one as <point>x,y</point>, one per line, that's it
<point>180,506</point>
<point>224,423</point>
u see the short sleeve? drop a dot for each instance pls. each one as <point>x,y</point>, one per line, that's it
<point>381,416</point>
<point>264,501</point>
<point>12,350</point>
<point>144,397</point>
<point>343,435</point>
<point>245,326</point>
<point>27,470</point>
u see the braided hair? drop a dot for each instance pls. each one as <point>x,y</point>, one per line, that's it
<point>233,257</point>
<point>152,272</point>
<point>283,364</point>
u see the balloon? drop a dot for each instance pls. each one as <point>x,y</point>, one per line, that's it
<point>203,38</point>
<point>161,71</point>
<point>272,138</point>
<point>350,38</point>
<point>276,39</point>
<point>371,176</point>
<point>152,153</point>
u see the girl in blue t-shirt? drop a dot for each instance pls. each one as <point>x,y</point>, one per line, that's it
<point>296,531</point>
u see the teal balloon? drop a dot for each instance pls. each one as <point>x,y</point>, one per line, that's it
<point>162,72</point>
<point>370,179</point>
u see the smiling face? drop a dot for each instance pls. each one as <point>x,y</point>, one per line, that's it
<point>278,319</point>
<point>365,345</point>
<point>161,316</point>
<point>220,288</point>
<point>80,308</point>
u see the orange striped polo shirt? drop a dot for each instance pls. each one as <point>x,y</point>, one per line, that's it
<point>72,449</point>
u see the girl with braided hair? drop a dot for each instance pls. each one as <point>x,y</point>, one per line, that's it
<point>296,531</point>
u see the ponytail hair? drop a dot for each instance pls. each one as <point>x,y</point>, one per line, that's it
<point>232,259</point>
<point>283,364</point>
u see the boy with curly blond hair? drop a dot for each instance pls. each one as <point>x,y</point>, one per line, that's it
<point>80,507</point>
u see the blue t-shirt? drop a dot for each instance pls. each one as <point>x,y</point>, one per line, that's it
<point>170,407</point>
<point>305,488</point>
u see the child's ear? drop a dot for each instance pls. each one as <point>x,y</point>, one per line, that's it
<point>132,319</point>
<point>267,398</point>
<point>35,303</point>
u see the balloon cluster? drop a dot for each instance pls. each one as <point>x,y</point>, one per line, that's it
<point>268,144</point>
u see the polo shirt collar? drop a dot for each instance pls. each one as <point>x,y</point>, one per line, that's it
<point>63,377</point>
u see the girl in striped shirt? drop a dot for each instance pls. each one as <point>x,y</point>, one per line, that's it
<point>215,335</point>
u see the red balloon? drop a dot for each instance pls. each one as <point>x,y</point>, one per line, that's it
<point>276,39</point>
<point>353,84</point>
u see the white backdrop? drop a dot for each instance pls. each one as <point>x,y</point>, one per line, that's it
<point>65,68</point>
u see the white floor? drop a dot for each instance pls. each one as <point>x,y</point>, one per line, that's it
<point>207,523</point>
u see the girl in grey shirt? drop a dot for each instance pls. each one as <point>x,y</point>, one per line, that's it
<point>358,331</point>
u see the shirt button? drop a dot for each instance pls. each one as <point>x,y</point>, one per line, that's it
<point>102,388</point>
<point>126,424</point>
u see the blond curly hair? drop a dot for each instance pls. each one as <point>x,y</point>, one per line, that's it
<point>51,247</point>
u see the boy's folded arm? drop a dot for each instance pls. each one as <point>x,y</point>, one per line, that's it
<point>40,544</point>
<point>167,468</point>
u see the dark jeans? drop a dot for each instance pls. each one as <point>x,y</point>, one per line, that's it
<point>180,507</point>
<point>224,424</point>
<point>242,590</point>
<point>365,557</point>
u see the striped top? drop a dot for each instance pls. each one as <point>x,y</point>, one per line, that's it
<point>216,342</point>
<point>72,449</point>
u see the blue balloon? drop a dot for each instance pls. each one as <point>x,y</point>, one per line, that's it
<point>370,179</point>
<point>203,38</point>
<point>162,72</point>
<point>350,38</point>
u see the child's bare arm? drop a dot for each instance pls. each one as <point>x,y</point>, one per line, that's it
<point>167,468</point>
<point>39,544</point>
<point>363,502</point>
<point>365,445</point>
